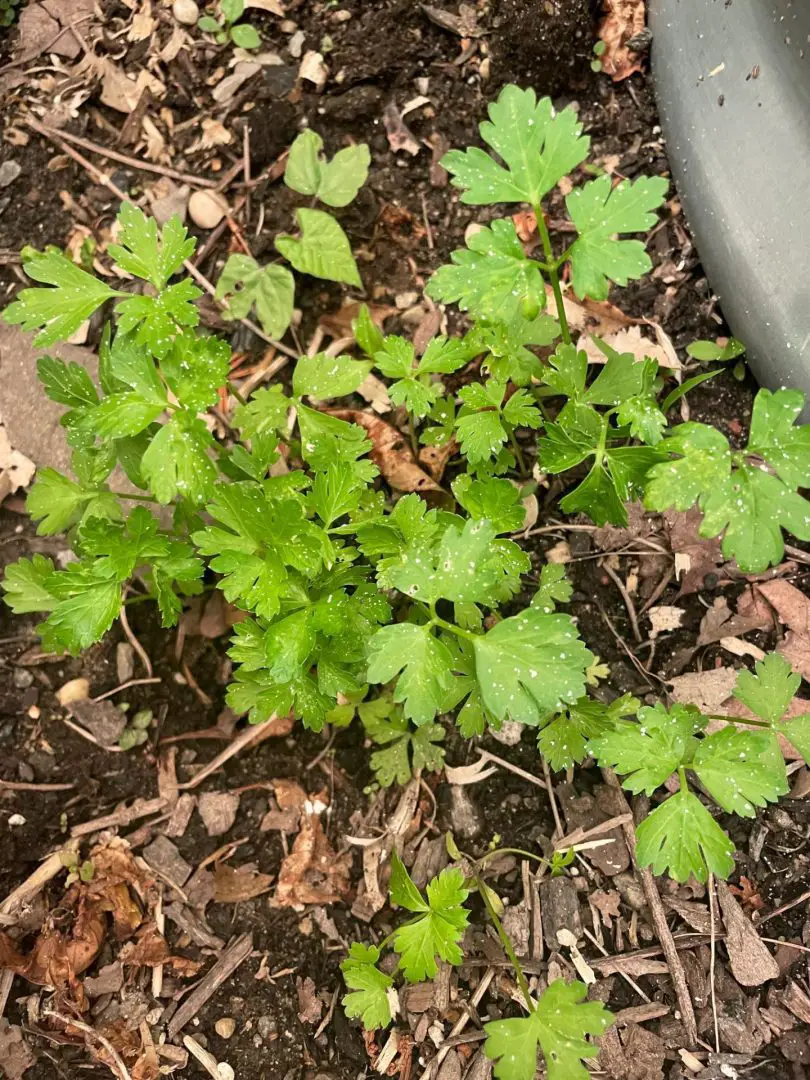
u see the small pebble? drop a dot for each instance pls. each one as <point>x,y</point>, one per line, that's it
<point>296,44</point>
<point>266,1026</point>
<point>9,171</point>
<point>34,712</point>
<point>16,820</point>
<point>225,1026</point>
<point>186,12</point>
<point>124,661</point>
<point>207,208</point>
<point>75,690</point>
<point>22,678</point>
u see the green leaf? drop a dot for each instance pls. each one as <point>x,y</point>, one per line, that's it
<point>147,254</point>
<point>366,332</point>
<point>599,212</point>
<point>559,1026</point>
<point>648,752</point>
<point>622,377</point>
<point>60,502</point>
<point>682,837</point>
<point>66,383</point>
<point>386,726</point>
<point>335,493</point>
<point>322,250</point>
<point>208,24</point>
<point>711,350</point>
<point>121,415</point>
<point>232,9</point>
<point>85,612</point>
<point>775,437</point>
<point>59,312</point>
<point>705,463</point>
<point>439,927</point>
<point>643,417</point>
<point>797,732</point>
<point>177,461</point>
<point>613,482</point>
<point>493,278</point>
<point>243,283</point>
<point>529,665</point>
<point>336,182</point>
<point>423,664</point>
<point>567,371</point>
<point>768,691</point>
<point>195,369</point>
<point>538,146</point>
<point>156,320</point>
<point>321,376</point>
<point>264,415</point>
<point>738,770</point>
<point>370,985</point>
<point>326,439</point>
<point>245,36</point>
<point>510,359</point>
<point>554,588</point>
<point>495,499</point>
<point>563,740</point>
<point>25,585</point>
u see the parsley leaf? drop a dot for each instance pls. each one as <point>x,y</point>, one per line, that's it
<point>157,319</point>
<point>768,692</point>
<point>243,284</point>
<point>493,498</point>
<point>424,666</point>
<point>144,253</point>
<point>563,739</point>
<point>59,312</point>
<point>440,925</point>
<point>264,415</point>
<point>559,1026</point>
<point>539,147</point>
<point>681,836</point>
<point>86,608</point>
<point>195,369</point>
<point>599,211</point>
<point>492,278</point>
<point>321,376</point>
<point>510,359</point>
<point>554,588</point>
<point>61,502</point>
<point>739,770</point>
<point>322,250</point>
<point>486,421</point>
<point>66,383</point>
<point>528,665</point>
<point>334,182</point>
<point>176,462</point>
<point>386,726</point>
<point>369,1000</point>
<point>25,585</point>
<point>648,752</point>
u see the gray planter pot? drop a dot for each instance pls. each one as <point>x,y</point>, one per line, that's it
<point>732,79</point>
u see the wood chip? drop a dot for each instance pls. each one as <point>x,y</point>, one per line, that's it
<point>218,810</point>
<point>222,970</point>
<point>751,962</point>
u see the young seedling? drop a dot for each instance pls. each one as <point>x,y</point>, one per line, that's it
<point>227,27</point>
<point>557,1024</point>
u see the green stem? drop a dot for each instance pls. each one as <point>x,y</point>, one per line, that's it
<point>512,851</point>
<point>740,720</point>
<point>236,393</point>
<point>552,267</point>
<point>483,892</point>
<point>134,498</point>
<point>682,779</point>
<point>436,620</point>
<point>412,433</point>
<point>518,452</point>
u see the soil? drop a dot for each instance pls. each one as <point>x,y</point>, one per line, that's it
<point>405,223</point>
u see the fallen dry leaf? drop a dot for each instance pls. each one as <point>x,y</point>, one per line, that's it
<point>664,617</point>
<point>631,340</point>
<point>400,136</point>
<point>16,470</point>
<point>150,948</point>
<point>695,557</point>
<point>218,810</point>
<point>751,963</point>
<point>338,324</point>
<point>623,20</point>
<point>273,6</point>
<point>58,957</point>
<point>232,885</point>
<point>15,1053</point>
<point>313,69</point>
<point>310,1006</point>
<point>435,458</point>
<point>465,24</point>
<point>312,873</point>
<point>390,452</point>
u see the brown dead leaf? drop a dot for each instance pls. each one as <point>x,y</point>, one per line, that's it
<point>695,557</point>
<point>16,470</point>
<point>275,7</point>
<point>59,957</point>
<point>400,136</point>
<point>312,873</point>
<point>435,458</point>
<point>709,690</point>
<point>232,885</point>
<point>623,20</point>
<point>15,1053</point>
<point>390,452</point>
<point>338,324</point>
<point>310,1006</point>
<point>150,948</point>
<point>313,69</point>
<point>751,963</point>
<point>218,810</point>
<point>631,340</point>
<point>465,24</point>
<point>608,903</point>
<point>290,795</point>
<point>791,605</point>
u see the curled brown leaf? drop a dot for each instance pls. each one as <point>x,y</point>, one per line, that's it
<point>390,452</point>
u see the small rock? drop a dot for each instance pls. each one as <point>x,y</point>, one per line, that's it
<point>464,817</point>
<point>296,44</point>
<point>75,690</point>
<point>218,811</point>
<point>225,1026</point>
<point>207,208</point>
<point>266,1026</point>
<point>25,772</point>
<point>186,12</point>
<point>124,661</point>
<point>100,718</point>
<point>313,69</point>
<point>9,171</point>
<point>16,820</point>
<point>22,678</point>
<point>163,856</point>
<point>109,980</point>
<point>288,26</point>
<point>509,733</point>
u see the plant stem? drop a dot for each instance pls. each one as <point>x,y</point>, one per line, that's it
<point>518,453</point>
<point>740,720</point>
<point>513,851</point>
<point>483,892</point>
<point>412,433</point>
<point>436,620</point>
<point>682,779</point>
<point>552,268</point>
<point>236,393</point>
<point>134,498</point>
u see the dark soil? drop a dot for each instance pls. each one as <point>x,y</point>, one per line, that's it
<point>380,52</point>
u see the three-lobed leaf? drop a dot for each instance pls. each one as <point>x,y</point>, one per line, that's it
<point>244,284</point>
